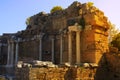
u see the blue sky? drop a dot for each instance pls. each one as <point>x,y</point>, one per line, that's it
<point>13,13</point>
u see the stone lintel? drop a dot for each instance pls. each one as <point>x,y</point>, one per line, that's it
<point>52,37</point>
<point>75,28</point>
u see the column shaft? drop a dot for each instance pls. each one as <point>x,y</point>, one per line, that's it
<point>16,56</point>
<point>40,49</point>
<point>70,47</point>
<point>8,55</point>
<point>61,49</point>
<point>78,47</point>
<point>12,54</point>
<point>53,50</point>
<point>0,48</point>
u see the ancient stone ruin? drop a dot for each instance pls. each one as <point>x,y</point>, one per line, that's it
<point>77,34</point>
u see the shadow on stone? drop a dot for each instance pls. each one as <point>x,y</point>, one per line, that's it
<point>109,68</point>
<point>70,74</point>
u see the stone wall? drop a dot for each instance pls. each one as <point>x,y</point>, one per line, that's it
<point>93,33</point>
<point>36,41</point>
<point>55,74</point>
<point>29,49</point>
<point>108,69</point>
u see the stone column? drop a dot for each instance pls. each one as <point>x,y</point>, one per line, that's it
<point>16,51</point>
<point>53,50</point>
<point>12,53</point>
<point>70,47</point>
<point>61,49</point>
<point>40,48</point>
<point>0,48</point>
<point>8,55</point>
<point>78,47</point>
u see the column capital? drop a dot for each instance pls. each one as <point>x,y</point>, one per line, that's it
<point>75,28</point>
<point>70,32</point>
<point>11,41</point>
<point>78,32</point>
<point>8,41</point>
<point>41,35</point>
<point>52,37</point>
<point>18,40</point>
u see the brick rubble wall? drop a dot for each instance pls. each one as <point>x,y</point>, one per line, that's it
<point>55,74</point>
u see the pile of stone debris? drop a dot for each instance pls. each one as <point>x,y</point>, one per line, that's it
<point>35,63</point>
<point>48,64</point>
<point>2,77</point>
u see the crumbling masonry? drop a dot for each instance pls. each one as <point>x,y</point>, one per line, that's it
<point>77,34</point>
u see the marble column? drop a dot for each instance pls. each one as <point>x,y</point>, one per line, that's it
<point>8,55</point>
<point>53,48</point>
<point>40,48</point>
<point>0,48</point>
<point>78,47</point>
<point>16,51</point>
<point>12,53</point>
<point>70,47</point>
<point>61,49</point>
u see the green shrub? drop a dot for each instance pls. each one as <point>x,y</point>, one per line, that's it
<point>56,8</point>
<point>28,21</point>
<point>90,4</point>
<point>116,41</point>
